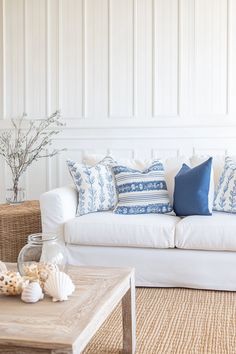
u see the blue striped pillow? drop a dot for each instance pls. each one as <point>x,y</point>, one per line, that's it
<point>141,192</point>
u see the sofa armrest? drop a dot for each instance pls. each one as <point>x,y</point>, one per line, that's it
<point>57,206</point>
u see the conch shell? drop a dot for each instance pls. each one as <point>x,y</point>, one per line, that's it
<point>39,271</point>
<point>12,283</point>
<point>59,286</point>
<point>32,293</point>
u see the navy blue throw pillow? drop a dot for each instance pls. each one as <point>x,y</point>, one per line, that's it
<point>194,190</point>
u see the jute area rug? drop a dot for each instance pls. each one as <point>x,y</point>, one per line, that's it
<point>174,321</point>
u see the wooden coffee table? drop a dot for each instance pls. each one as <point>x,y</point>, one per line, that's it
<point>67,327</point>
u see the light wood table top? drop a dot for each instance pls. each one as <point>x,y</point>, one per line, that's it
<point>66,327</point>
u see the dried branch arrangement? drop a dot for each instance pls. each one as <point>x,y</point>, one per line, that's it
<point>27,142</point>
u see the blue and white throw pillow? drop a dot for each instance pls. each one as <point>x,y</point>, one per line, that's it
<point>225,197</point>
<point>141,192</point>
<point>194,190</point>
<point>95,186</point>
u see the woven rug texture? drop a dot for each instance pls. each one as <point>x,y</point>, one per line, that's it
<point>173,320</point>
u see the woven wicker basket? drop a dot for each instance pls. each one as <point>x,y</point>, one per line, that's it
<point>16,223</point>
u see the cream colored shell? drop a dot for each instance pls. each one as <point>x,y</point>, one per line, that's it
<point>59,286</point>
<point>12,283</point>
<point>32,293</point>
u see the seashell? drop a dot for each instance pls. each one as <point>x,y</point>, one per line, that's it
<point>3,267</point>
<point>32,293</point>
<point>12,283</point>
<point>59,286</point>
<point>45,269</point>
<point>40,271</point>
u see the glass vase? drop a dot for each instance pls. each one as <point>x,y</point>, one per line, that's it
<point>42,252</point>
<point>15,196</point>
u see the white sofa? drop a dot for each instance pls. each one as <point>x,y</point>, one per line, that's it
<point>166,251</point>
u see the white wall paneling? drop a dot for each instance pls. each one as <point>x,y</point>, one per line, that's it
<point>165,57</point>
<point>187,58</point>
<point>52,64</point>
<point>143,54</point>
<point>231,57</point>
<point>211,56</point>
<point>121,58</point>
<point>96,58</point>
<point>135,78</point>
<point>171,60</point>
<point>35,57</point>
<point>71,58</point>
<point>14,53</point>
<point>2,60</point>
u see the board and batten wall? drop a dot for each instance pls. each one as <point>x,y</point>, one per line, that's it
<point>136,78</point>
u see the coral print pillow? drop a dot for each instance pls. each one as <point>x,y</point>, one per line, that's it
<point>225,198</point>
<point>95,185</point>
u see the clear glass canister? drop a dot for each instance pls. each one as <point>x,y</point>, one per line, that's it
<point>15,196</point>
<point>42,249</point>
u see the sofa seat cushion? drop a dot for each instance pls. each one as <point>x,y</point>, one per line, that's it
<point>108,229</point>
<point>216,232</point>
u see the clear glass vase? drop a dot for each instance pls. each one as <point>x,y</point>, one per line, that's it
<point>43,251</point>
<point>15,197</point>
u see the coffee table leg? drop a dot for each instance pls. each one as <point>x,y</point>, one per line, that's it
<point>129,321</point>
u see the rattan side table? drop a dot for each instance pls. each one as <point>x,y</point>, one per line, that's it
<point>16,223</point>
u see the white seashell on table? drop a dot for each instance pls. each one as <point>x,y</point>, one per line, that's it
<point>59,286</point>
<point>32,293</point>
<point>3,267</point>
<point>12,283</point>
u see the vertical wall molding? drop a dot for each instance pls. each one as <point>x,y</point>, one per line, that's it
<point>211,57</point>
<point>153,57</point>
<point>59,55</point>
<point>227,58</point>
<point>178,98</point>
<point>108,58</point>
<point>134,110</point>
<point>121,58</point>
<point>96,54</point>
<point>83,57</point>
<point>187,65</point>
<point>165,58</point>
<point>71,58</point>
<point>2,59</point>
<point>231,58</point>
<point>47,59</point>
<point>25,57</point>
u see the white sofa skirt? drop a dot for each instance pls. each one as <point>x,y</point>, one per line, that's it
<point>164,267</point>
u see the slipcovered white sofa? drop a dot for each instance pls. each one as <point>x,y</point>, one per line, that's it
<point>166,251</point>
